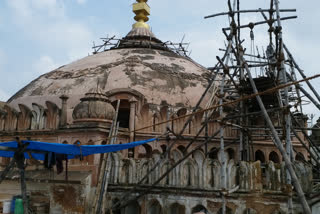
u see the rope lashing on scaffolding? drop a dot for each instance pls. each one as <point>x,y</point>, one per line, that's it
<point>251,96</point>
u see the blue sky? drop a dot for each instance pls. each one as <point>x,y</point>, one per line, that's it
<point>37,36</point>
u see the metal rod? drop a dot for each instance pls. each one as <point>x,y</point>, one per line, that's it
<point>262,22</point>
<point>248,11</point>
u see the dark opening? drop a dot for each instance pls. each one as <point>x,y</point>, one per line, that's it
<point>228,210</point>
<point>124,113</point>
<point>300,157</point>
<point>230,153</point>
<point>213,154</point>
<point>182,149</point>
<point>177,209</point>
<point>274,157</point>
<point>260,156</point>
<point>164,148</point>
<point>199,209</point>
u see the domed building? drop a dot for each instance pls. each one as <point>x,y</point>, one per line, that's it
<point>156,87</point>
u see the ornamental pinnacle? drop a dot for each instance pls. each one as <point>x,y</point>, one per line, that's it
<point>142,11</point>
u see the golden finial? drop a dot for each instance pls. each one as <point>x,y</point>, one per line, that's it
<point>142,11</point>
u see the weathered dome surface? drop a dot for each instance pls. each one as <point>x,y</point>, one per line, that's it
<point>94,107</point>
<point>159,75</point>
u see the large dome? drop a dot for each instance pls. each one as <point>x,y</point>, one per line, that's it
<point>141,63</point>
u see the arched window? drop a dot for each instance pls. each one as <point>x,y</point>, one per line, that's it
<point>213,154</point>
<point>199,209</point>
<point>177,209</point>
<point>274,157</point>
<point>230,152</point>
<point>124,113</point>
<point>259,156</point>
<point>300,157</point>
<point>154,207</point>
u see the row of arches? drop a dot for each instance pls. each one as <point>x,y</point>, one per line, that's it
<point>150,115</point>
<point>37,117</point>
<point>155,207</point>
<point>274,157</point>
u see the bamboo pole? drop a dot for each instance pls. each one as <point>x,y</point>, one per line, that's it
<point>104,158</point>
<point>301,72</point>
<point>223,178</point>
<point>261,23</point>
<point>247,11</point>
<point>283,71</point>
<point>279,145</point>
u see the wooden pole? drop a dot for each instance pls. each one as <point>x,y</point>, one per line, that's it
<point>247,11</point>
<point>279,145</point>
<point>301,72</point>
<point>223,178</point>
<point>97,198</point>
<point>7,170</point>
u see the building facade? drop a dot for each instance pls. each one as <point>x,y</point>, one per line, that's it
<point>156,88</point>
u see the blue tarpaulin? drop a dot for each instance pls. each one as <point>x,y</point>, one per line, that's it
<point>71,150</point>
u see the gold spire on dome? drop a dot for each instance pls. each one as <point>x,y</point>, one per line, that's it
<point>142,11</point>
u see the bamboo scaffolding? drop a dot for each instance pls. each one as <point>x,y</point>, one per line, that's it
<point>248,11</point>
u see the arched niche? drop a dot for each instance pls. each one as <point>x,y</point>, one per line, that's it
<point>154,207</point>
<point>231,153</point>
<point>199,209</point>
<point>163,148</point>
<point>274,157</point>
<point>228,211</point>
<point>132,208</point>
<point>115,205</point>
<point>213,154</point>
<point>177,209</point>
<point>250,211</point>
<point>300,157</point>
<point>259,156</point>
<point>145,151</point>
<point>181,149</point>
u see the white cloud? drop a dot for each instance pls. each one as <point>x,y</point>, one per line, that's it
<point>44,65</point>
<point>46,22</point>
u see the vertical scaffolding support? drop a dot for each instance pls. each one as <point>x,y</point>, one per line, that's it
<point>279,145</point>
<point>222,152</point>
<point>283,72</point>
